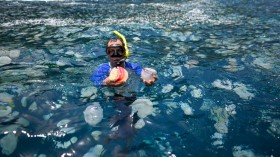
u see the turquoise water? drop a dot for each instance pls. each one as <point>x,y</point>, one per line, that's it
<point>217,60</point>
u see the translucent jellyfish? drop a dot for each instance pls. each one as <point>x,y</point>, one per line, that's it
<point>222,84</point>
<point>239,88</point>
<point>93,114</point>
<point>136,38</point>
<point>63,144</point>
<point>217,136</point>
<point>238,151</point>
<point>232,67</point>
<point>5,110</point>
<point>70,53</point>
<point>63,62</point>
<point>24,101</point>
<point>274,128</point>
<point>196,92</point>
<point>74,139</point>
<point>263,63</point>
<point>207,105</point>
<point>191,64</point>
<point>14,53</point>
<point>186,108</point>
<point>63,122</point>
<point>183,88</point>
<point>230,109</point>
<point>95,151</point>
<point>96,135</point>
<point>5,60</point>
<point>22,121</point>
<point>242,91</point>
<point>217,143</point>
<point>9,143</point>
<point>221,116</point>
<point>140,124</point>
<point>148,74</point>
<point>5,97</point>
<point>167,88</point>
<point>143,107</point>
<point>33,107</point>
<point>177,72</point>
<point>221,127</point>
<point>66,144</point>
<point>171,106</point>
<point>68,130</point>
<point>89,92</point>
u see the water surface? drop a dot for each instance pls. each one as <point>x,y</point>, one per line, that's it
<point>220,58</point>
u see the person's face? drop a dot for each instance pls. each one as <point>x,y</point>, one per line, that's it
<point>115,50</point>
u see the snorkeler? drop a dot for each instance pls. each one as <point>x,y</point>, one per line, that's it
<point>107,74</point>
<point>115,75</point>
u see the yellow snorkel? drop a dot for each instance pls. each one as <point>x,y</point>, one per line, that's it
<point>127,53</point>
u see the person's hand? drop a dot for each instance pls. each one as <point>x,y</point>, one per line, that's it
<point>108,82</point>
<point>150,82</point>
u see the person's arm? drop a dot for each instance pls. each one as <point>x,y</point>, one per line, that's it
<point>100,74</point>
<point>138,71</point>
<point>100,77</point>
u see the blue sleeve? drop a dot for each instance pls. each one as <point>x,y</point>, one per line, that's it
<point>99,74</point>
<point>134,67</point>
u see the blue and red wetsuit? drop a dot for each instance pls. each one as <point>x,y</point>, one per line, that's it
<point>103,71</point>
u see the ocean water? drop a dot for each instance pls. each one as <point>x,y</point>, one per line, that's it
<point>217,61</point>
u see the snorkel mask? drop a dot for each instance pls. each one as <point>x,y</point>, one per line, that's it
<point>115,51</point>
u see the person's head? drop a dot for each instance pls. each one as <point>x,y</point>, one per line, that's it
<point>115,50</point>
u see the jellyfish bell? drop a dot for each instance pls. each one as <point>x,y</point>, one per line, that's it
<point>93,114</point>
<point>118,74</point>
<point>148,74</point>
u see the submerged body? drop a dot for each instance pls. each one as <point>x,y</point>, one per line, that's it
<point>122,123</point>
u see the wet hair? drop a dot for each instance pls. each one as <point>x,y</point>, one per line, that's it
<point>114,40</point>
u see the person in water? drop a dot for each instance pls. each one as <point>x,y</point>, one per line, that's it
<point>116,53</point>
<point>124,89</point>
